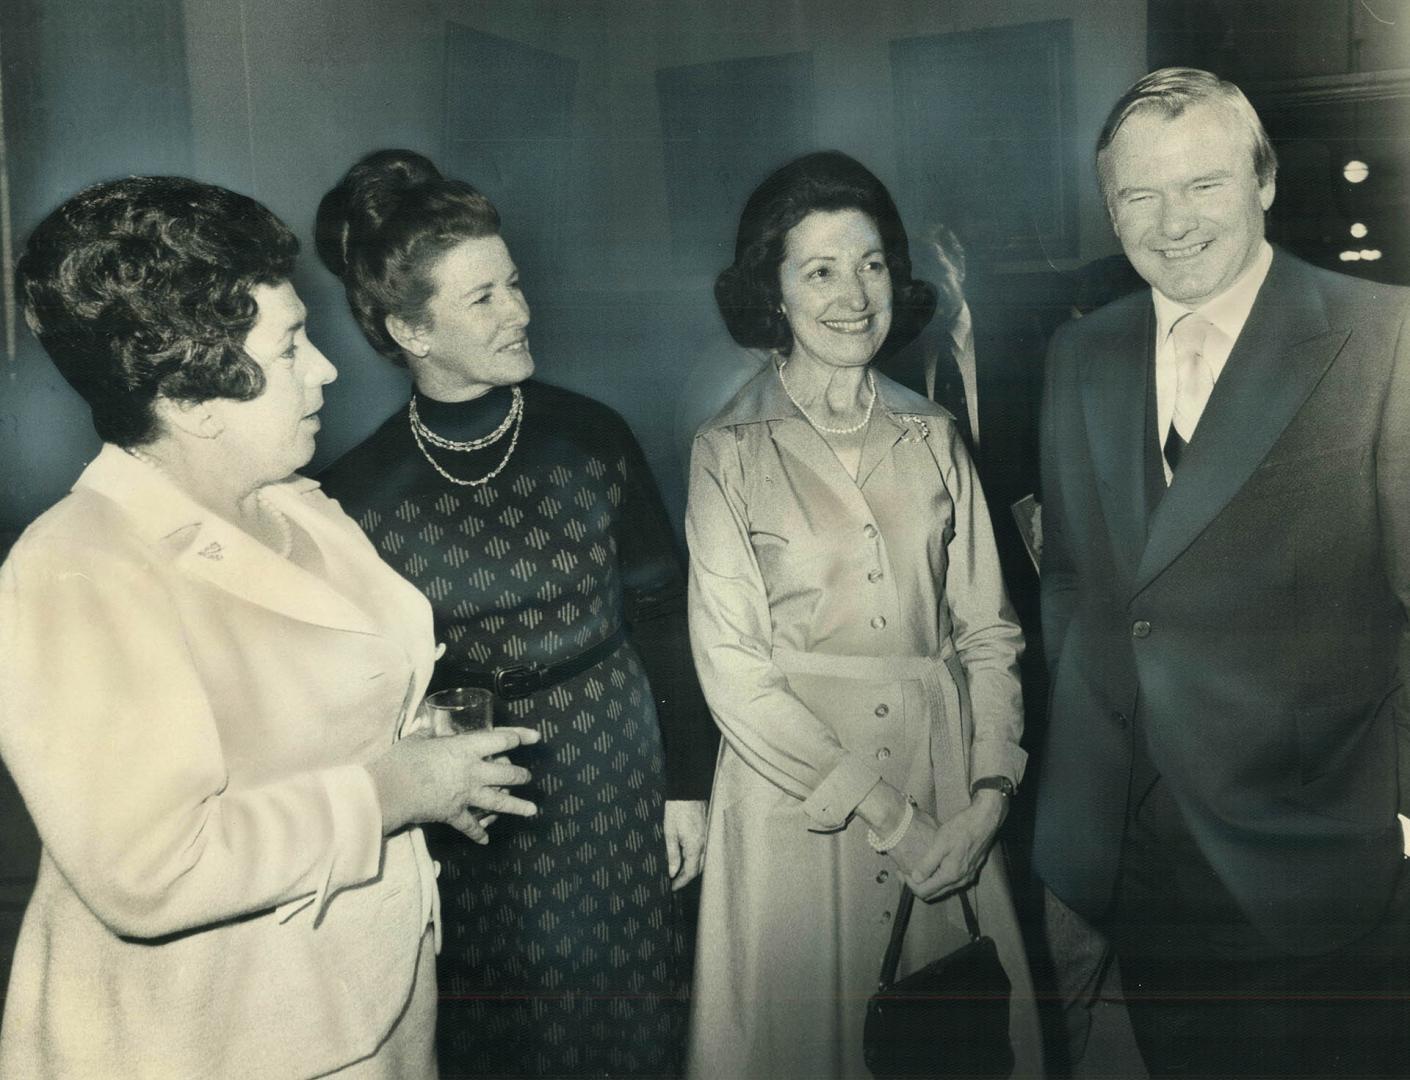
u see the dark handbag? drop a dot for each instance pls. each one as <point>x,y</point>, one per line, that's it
<point>950,1018</point>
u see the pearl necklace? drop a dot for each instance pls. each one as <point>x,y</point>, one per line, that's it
<point>871,384</point>
<point>516,406</point>
<point>516,417</point>
<point>281,520</point>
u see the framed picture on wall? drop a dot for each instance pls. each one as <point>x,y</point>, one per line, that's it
<point>984,136</point>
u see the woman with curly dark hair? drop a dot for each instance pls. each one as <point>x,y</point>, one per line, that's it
<point>854,643</point>
<point>206,672</point>
<point>529,517</point>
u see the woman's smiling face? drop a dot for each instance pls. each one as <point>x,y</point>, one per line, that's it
<point>477,332</point>
<point>836,288</point>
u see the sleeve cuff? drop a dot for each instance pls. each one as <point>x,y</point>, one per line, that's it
<point>356,850</point>
<point>836,798</point>
<point>998,759</point>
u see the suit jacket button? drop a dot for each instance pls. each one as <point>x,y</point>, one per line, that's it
<point>1119,718</point>
<point>883,709</point>
<point>1140,628</point>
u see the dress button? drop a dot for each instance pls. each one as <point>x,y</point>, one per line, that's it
<point>882,877</point>
<point>874,576</point>
<point>883,709</point>
<point>1140,628</point>
<point>879,622</point>
<point>883,753</point>
<point>869,530</point>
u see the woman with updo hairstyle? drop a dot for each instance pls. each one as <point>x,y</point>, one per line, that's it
<point>210,687</point>
<point>529,518</point>
<point>854,643</point>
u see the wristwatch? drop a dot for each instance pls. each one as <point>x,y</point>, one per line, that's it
<point>1002,784</point>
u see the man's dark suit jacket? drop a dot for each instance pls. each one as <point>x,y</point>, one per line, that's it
<point>1251,624</point>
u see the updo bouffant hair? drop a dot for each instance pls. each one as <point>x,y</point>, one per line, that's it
<point>383,229</point>
<point>748,290</point>
<point>142,288</point>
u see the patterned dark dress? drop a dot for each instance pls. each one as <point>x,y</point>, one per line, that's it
<point>560,954</point>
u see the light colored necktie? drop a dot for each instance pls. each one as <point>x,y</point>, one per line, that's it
<point>1193,383</point>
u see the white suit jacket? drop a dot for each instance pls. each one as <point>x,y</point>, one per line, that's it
<point>185,715</point>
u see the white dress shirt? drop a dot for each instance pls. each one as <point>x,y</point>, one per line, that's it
<point>963,335</point>
<point>1226,313</point>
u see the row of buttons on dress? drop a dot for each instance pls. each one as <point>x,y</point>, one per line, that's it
<point>874,575</point>
<point>883,710</point>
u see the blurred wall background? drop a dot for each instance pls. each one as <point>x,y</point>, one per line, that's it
<point>553,107</point>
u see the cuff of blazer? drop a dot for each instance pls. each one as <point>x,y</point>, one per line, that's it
<point>835,799</point>
<point>355,854</point>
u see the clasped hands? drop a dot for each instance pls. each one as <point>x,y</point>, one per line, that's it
<point>938,858</point>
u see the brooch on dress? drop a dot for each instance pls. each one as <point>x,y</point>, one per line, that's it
<point>919,422</point>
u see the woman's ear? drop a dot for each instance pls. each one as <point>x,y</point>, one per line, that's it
<point>407,336</point>
<point>195,418</point>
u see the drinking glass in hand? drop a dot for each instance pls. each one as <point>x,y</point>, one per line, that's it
<point>461,709</point>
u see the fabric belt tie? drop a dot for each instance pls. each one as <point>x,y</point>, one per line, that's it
<point>940,677</point>
<point>521,680</point>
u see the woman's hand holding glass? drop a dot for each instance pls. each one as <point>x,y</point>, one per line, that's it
<point>424,777</point>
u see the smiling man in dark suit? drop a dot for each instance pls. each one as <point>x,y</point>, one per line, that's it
<point>1226,574</point>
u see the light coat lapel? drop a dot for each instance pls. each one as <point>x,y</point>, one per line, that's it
<point>1115,384</point>
<point>204,545</point>
<point>1285,348</point>
<point>246,568</point>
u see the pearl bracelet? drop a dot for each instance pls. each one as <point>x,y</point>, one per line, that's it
<point>882,846</point>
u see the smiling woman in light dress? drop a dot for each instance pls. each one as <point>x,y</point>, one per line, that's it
<point>206,670</point>
<point>854,643</point>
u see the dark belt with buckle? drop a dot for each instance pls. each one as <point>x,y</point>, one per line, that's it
<point>521,680</point>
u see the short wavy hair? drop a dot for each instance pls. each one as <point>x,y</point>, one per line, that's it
<point>383,229</point>
<point>749,292</point>
<point>1168,92</point>
<point>142,288</point>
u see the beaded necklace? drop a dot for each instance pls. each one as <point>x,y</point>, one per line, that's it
<point>421,434</point>
<point>281,520</point>
<point>871,384</point>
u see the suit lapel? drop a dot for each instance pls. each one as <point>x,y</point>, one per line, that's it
<point>1114,395</point>
<point>230,559</point>
<point>1285,348</point>
<point>202,544</point>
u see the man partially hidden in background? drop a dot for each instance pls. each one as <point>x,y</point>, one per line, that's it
<point>1226,575</point>
<point>981,357</point>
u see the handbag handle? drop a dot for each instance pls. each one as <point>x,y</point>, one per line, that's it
<point>892,959</point>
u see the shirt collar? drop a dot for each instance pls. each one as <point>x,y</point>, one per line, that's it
<point>963,329</point>
<point>763,399</point>
<point>1228,311</point>
<point>160,511</point>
